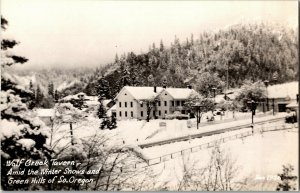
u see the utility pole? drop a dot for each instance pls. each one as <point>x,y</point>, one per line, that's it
<point>267,84</point>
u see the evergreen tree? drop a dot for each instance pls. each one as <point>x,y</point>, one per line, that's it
<point>113,122</point>
<point>23,134</point>
<point>116,59</point>
<point>164,82</point>
<point>150,80</point>
<point>101,113</point>
<point>192,39</point>
<point>161,46</point>
<point>31,86</point>
<point>51,89</point>
<point>56,96</point>
<point>103,90</point>
<point>39,97</point>
<point>103,93</point>
<point>32,102</point>
<point>124,73</point>
<point>288,180</point>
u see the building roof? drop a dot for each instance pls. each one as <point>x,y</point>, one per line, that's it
<point>144,93</point>
<point>180,93</point>
<point>285,90</point>
<point>220,98</point>
<point>293,104</point>
<point>81,93</point>
<point>45,112</point>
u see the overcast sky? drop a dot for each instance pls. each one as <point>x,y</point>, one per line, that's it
<point>90,32</point>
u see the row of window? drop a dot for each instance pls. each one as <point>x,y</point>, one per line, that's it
<point>125,104</point>
<point>131,114</point>
<point>178,103</point>
<point>142,113</point>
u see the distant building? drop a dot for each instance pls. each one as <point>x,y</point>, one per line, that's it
<point>131,101</point>
<point>46,115</point>
<point>283,95</point>
<point>88,101</point>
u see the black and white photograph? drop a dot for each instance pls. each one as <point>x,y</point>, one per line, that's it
<point>103,95</point>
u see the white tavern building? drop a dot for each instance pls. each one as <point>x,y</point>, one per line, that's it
<point>131,102</point>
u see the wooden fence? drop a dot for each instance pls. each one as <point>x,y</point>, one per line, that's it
<point>166,157</point>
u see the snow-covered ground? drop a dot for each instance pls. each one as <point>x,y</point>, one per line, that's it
<point>152,132</point>
<point>134,132</point>
<point>258,156</point>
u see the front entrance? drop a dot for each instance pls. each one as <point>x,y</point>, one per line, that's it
<point>281,107</point>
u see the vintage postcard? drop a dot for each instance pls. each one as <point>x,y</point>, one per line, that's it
<point>149,95</point>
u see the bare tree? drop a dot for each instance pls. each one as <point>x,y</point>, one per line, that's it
<point>217,175</point>
<point>113,167</point>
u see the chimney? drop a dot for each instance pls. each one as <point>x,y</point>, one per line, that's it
<point>155,89</point>
<point>189,86</point>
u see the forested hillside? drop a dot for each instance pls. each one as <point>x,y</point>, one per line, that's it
<point>249,52</point>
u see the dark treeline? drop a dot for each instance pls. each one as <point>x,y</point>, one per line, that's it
<point>249,52</point>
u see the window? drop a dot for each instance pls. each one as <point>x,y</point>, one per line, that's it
<point>165,103</point>
<point>125,104</point>
<point>159,113</point>
<point>159,103</point>
<point>120,113</point>
<point>131,104</point>
<point>154,114</point>
<point>142,113</point>
<point>172,103</point>
<point>182,103</point>
<point>166,112</point>
<point>120,104</point>
<point>141,104</point>
<point>125,113</point>
<point>178,103</point>
<point>131,114</point>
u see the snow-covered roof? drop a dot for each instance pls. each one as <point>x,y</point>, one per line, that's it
<point>113,107</point>
<point>293,104</point>
<point>141,93</point>
<point>70,97</point>
<point>67,98</point>
<point>180,93</point>
<point>283,90</point>
<point>219,98</point>
<point>92,102</point>
<point>45,112</point>
<point>81,93</point>
<point>92,98</point>
<point>106,101</point>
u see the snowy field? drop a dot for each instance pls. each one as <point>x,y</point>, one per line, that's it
<point>260,155</point>
<point>139,132</point>
<point>157,151</point>
<point>257,156</point>
<point>134,132</point>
